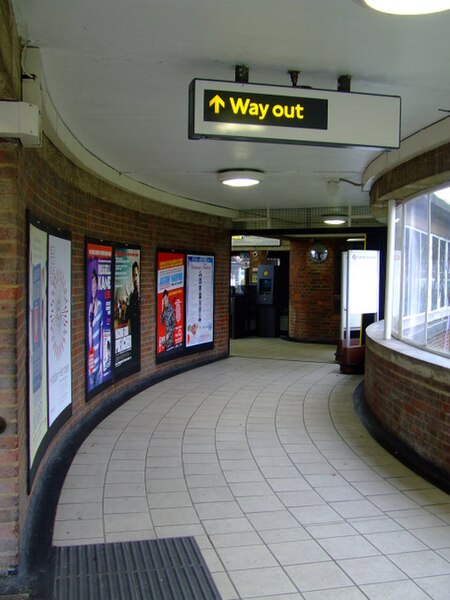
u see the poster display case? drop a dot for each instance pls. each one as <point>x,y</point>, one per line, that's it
<point>49,369</point>
<point>184,303</point>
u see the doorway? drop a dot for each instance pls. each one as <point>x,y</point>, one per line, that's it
<point>245,313</point>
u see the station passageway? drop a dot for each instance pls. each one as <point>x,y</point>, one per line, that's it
<point>262,459</point>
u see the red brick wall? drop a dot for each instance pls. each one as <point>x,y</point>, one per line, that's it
<point>28,182</point>
<point>312,314</point>
<point>11,357</point>
<point>411,399</point>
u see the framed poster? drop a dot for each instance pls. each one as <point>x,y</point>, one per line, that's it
<point>169,304</point>
<point>59,326</point>
<point>127,310</point>
<point>37,338</point>
<point>99,285</point>
<point>49,391</point>
<point>199,300</point>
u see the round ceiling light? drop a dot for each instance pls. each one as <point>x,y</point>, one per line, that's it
<point>334,219</point>
<point>408,7</point>
<point>240,177</point>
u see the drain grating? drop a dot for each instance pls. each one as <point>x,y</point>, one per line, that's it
<point>166,569</point>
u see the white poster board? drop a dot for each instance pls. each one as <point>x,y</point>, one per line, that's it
<point>354,320</point>
<point>59,326</point>
<point>199,300</point>
<point>363,272</point>
<point>360,288</point>
<point>37,339</point>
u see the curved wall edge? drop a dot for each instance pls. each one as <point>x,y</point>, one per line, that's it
<point>392,444</point>
<point>416,144</point>
<point>408,392</point>
<point>35,91</point>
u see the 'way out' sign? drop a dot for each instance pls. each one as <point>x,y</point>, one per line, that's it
<point>251,112</point>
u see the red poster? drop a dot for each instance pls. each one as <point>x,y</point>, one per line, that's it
<point>170,302</point>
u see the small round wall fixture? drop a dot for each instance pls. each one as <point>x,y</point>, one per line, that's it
<point>318,253</point>
<point>408,7</point>
<point>334,219</point>
<point>332,187</point>
<point>240,177</point>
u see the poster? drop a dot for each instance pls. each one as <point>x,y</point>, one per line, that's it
<point>170,302</point>
<point>59,326</point>
<point>98,315</point>
<point>199,300</point>
<point>127,308</point>
<point>37,339</point>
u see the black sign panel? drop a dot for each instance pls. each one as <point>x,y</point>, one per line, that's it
<point>264,109</point>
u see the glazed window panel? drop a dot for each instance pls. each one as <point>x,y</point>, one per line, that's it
<point>415,285</point>
<point>439,316</point>
<point>397,276</point>
<point>415,278</point>
<point>421,313</point>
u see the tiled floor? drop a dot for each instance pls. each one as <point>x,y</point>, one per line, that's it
<point>265,462</point>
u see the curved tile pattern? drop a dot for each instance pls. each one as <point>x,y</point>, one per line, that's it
<point>265,462</point>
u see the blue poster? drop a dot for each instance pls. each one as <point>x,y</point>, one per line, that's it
<point>99,315</point>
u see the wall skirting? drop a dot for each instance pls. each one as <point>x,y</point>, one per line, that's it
<point>407,391</point>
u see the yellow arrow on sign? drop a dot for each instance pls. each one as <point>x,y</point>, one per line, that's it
<point>217,101</point>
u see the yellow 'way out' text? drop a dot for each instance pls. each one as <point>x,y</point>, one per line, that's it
<point>256,109</point>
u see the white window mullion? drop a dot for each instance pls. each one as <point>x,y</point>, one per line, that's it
<point>429,271</point>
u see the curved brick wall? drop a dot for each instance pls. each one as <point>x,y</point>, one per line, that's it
<point>408,391</point>
<point>54,190</point>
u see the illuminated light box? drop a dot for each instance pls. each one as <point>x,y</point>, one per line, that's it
<point>292,115</point>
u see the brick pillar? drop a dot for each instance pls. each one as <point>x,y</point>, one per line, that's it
<point>312,310</point>
<point>11,327</point>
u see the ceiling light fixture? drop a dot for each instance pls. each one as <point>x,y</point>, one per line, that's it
<point>408,7</point>
<point>240,177</point>
<point>334,219</point>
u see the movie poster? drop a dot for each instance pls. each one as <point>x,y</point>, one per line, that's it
<point>199,300</point>
<point>59,326</point>
<point>170,302</point>
<point>127,309</point>
<point>98,315</point>
<point>37,339</point>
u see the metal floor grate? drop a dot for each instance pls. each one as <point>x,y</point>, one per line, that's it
<point>166,569</point>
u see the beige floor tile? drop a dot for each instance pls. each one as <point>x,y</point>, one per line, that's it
<point>266,464</point>
<point>246,557</point>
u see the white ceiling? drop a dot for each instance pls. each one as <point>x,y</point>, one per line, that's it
<point>118,74</point>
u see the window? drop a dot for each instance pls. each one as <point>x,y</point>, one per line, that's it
<point>421,313</point>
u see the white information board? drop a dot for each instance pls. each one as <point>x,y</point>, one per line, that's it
<point>199,300</point>
<point>363,272</point>
<point>360,283</point>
